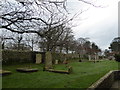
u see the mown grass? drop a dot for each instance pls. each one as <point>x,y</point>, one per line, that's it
<point>83,75</point>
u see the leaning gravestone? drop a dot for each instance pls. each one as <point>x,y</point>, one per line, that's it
<point>48,60</point>
<point>38,58</point>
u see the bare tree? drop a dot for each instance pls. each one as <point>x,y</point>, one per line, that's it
<point>5,37</point>
<point>31,17</point>
<point>48,19</point>
<point>56,38</point>
<point>42,18</point>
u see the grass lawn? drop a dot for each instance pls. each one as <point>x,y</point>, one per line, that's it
<point>84,74</point>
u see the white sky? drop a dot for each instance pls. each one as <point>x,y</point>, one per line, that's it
<point>99,24</point>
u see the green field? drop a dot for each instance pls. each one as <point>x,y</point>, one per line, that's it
<point>83,75</point>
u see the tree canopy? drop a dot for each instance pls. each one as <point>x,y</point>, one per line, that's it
<point>115,45</point>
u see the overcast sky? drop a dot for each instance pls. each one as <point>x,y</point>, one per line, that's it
<point>98,24</point>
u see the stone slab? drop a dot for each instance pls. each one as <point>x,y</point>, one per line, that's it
<point>38,58</point>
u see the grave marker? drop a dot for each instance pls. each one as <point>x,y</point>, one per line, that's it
<point>38,58</point>
<point>56,61</point>
<point>48,60</point>
<point>89,56</point>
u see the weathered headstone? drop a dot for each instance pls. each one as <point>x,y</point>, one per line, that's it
<point>48,60</point>
<point>96,57</point>
<point>89,56</point>
<point>56,61</point>
<point>38,58</point>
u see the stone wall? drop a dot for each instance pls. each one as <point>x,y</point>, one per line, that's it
<point>15,56</point>
<point>11,57</point>
<point>106,81</point>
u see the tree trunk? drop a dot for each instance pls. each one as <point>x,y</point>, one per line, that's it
<point>3,45</point>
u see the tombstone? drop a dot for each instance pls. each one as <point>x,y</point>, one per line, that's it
<point>56,61</point>
<point>48,60</point>
<point>38,58</point>
<point>89,56</point>
<point>95,56</point>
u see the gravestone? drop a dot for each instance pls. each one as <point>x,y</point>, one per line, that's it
<point>89,56</point>
<point>38,58</point>
<point>48,61</point>
<point>56,61</point>
<point>95,57</point>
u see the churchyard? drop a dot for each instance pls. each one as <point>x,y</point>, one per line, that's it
<point>40,48</point>
<point>52,70</point>
<point>83,75</point>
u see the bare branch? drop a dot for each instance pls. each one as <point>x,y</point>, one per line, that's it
<point>87,2</point>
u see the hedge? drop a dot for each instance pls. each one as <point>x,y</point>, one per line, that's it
<point>117,57</point>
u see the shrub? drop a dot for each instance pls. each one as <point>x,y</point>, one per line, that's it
<point>117,57</point>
